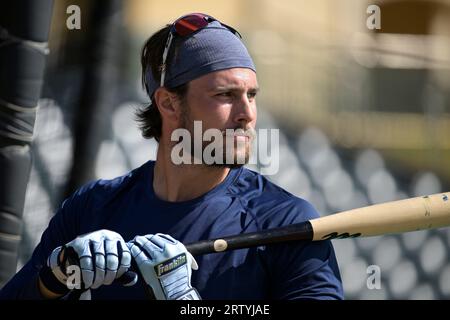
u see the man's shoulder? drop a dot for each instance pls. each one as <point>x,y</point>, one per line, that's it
<point>271,204</point>
<point>101,190</point>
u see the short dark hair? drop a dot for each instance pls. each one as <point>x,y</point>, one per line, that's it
<point>148,117</point>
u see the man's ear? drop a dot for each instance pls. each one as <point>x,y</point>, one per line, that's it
<point>167,104</point>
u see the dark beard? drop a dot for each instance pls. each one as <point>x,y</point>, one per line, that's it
<point>186,119</point>
<point>234,165</point>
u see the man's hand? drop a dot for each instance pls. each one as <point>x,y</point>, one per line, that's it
<point>102,256</point>
<point>165,265</point>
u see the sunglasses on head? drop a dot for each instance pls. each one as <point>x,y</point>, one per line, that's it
<point>186,26</point>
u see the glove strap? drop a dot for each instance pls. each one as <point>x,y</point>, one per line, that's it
<point>51,275</point>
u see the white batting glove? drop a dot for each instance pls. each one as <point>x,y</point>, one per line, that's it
<point>102,256</point>
<point>165,265</point>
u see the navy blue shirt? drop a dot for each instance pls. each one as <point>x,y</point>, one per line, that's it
<point>244,202</point>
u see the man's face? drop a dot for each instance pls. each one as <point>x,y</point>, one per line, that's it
<point>225,100</point>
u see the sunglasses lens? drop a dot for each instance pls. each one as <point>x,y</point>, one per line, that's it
<point>189,24</point>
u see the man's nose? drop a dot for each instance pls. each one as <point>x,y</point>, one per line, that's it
<point>245,110</point>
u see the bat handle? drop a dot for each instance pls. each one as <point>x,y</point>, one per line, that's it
<point>294,232</point>
<point>128,279</point>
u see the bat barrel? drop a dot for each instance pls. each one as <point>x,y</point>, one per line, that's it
<point>412,214</point>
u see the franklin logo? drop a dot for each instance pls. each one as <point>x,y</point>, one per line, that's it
<point>170,265</point>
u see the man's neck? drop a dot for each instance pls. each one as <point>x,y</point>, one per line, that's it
<point>184,182</point>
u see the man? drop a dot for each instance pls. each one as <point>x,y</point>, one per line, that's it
<point>196,69</point>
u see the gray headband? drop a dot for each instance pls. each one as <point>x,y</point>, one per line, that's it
<point>211,49</point>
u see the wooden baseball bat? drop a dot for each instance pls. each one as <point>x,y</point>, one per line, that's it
<point>427,212</point>
<point>412,214</point>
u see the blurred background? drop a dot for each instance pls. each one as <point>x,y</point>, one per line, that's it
<point>364,115</point>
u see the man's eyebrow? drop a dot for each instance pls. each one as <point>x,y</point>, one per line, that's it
<point>232,87</point>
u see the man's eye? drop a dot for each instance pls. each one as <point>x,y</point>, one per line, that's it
<point>251,95</point>
<point>224,94</point>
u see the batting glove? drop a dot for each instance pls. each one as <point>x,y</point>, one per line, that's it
<point>102,257</point>
<point>165,265</point>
